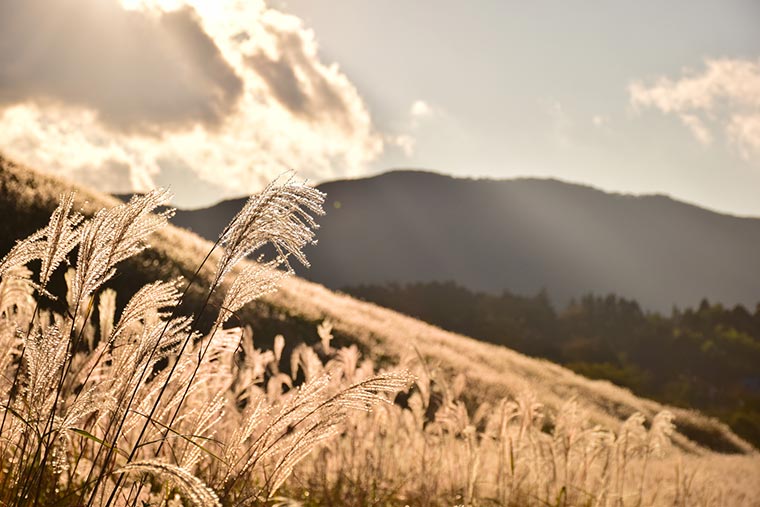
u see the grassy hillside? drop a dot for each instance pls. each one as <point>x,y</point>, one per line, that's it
<point>491,372</point>
<point>610,338</point>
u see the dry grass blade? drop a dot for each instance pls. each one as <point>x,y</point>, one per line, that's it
<point>192,488</point>
<point>23,251</point>
<point>255,281</point>
<point>113,235</point>
<point>61,236</point>
<point>280,216</point>
<point>151,298</point>
<point>51,244</point>
<point>363,395</point>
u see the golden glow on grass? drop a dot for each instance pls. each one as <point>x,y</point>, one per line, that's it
<point>482,426</point>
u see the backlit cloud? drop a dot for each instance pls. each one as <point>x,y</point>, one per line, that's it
<point>723,98</point>
<point>420,114</point>
<point>124,95</point>
<point>136,72</point>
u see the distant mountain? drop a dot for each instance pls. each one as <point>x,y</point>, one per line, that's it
<point>524,235</point>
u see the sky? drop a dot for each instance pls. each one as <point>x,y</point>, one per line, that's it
<point>214,98</point>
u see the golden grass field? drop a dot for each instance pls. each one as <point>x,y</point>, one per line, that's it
<point>482,424</point>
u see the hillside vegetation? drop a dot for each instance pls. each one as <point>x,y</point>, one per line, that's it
<point>611,338</point>
<point>489,425</point>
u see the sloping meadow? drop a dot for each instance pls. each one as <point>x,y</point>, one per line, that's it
<point>170,374</point>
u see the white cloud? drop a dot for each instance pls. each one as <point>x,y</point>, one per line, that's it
<point>404,142</point>
<point>421,112</point>
<point>697,128</point>
<point>420,109</point>
<point>231,91</point>
<point>744,130</point>
<point>136,72</point>
<point>724,97</point>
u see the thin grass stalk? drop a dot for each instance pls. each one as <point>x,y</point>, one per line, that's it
<point>166,382</point>
<point>188,386</point>
<point>202,354</point>
<point>134,393</point>
<point>325,403</point>
<point>14,390</point>
<point>72,347</point>
<point>41,441</point>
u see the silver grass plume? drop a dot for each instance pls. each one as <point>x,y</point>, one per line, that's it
<point>132,355</point>
<point>454,417</point>
<point>530,410</point>
<point>660,433</point>
<point>205,420</point>
<point>304,358</point>
<point>150,298</point>
<point>348,359</point>
<point>324,330</point>
<point>300,446</point>
<point>192,488</point>
<point>46,352</point>
<point>69,277</point>
<point>279,346</point>
<point>306,418</point>
<point>569,425</point>
<point>51,244</point>
<point>115,234</point>
<point>309,416</point>
<point>250,370</point>
<point>16,290</point>
<point>24,251</point>
<point>255,281</point>
<point>255,414</point>
<point>632,437</point>
<point>106,312</point>
<point>280,215</point>
<point>377,389</point>
<point>61,236</point>
<point>159,341</point>
<point>88,402</point>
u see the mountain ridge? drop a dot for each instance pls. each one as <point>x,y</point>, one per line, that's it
<point>568,238</point>
<point>490,179</point>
